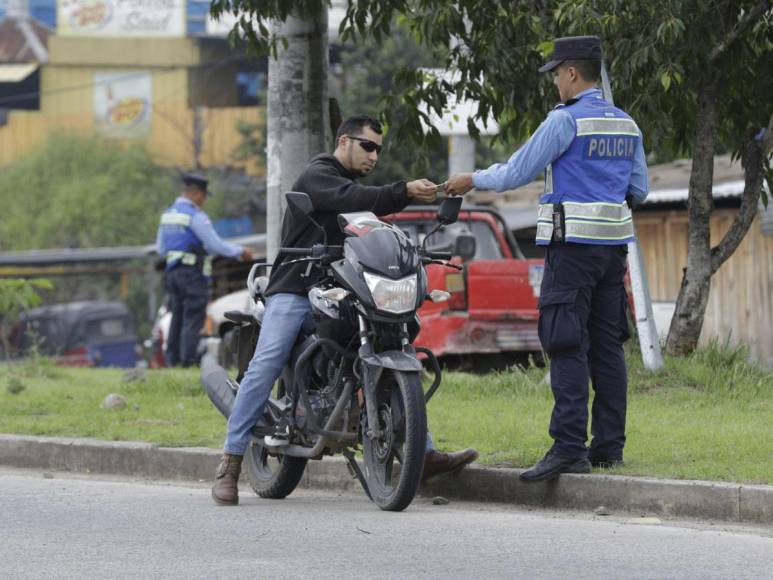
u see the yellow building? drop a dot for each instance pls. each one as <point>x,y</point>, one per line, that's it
<point>177,94</point>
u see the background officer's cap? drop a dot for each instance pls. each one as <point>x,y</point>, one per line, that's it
<point>196,179</point>
<point>573,48</point>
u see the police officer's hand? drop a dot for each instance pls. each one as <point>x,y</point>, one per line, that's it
<point>459,184</point>
<point>246,256</point>
<point>422,190</point>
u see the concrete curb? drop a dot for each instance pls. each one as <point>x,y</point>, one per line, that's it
<point>697,499</point>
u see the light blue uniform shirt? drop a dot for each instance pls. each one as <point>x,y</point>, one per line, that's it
<point>551,139</point>
<point>202,227</point>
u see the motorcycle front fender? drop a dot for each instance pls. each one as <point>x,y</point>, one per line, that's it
<point>392,359</point>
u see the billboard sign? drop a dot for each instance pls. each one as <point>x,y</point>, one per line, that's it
<point>121,18</point>
<point>123,104</point>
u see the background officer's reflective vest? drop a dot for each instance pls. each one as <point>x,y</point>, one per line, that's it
<point>181,244</point>
<point>591,179</point>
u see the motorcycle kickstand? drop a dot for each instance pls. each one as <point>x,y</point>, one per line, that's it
<point>356,472</point>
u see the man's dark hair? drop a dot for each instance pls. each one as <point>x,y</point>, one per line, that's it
<point>590,70</point>
<point>355,124</point>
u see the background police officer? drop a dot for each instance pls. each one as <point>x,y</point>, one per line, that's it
<point>187,240</point>
<point>593,159</point>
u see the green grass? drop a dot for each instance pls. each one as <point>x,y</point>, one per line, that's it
<point>708,416</point>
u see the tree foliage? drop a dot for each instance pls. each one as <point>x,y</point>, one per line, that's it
<point>18,295</point>
<point>659,53</point>
<point>79,192</point>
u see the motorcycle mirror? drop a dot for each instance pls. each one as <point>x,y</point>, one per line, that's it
<point>448,212</point>
<point>465,246</point>
<point>299,202</point>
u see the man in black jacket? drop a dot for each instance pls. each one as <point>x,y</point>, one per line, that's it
<point>329,180</point>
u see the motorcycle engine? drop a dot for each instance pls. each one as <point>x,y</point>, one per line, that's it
<point>322,399</point>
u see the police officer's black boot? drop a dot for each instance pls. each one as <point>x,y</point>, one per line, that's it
<point>553,465</point>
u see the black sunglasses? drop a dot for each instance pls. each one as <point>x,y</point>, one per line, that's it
<point>367,144</point>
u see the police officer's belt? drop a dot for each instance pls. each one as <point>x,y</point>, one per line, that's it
<point>591,220</point>
<point>204,263</point>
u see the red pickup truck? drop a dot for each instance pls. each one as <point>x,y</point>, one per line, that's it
<point>493,305</point>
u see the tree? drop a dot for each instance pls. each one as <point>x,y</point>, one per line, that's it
<point>17,295</point>
<point>695,75</point>
<point>77,192</point>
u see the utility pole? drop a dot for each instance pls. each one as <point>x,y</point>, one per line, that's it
<point>645,319</point>
<point>297,112</point>
<point>461,154</point>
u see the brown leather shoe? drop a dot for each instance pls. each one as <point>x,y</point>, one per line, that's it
<point>436,462</point>
<point>226,490</point>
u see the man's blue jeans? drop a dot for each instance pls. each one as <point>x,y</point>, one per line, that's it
<point>283,319</point>
<point>285,316</point>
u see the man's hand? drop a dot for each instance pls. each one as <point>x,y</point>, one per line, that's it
<point>246,256</point>
<point>459,184</point>
<point>422,190</point>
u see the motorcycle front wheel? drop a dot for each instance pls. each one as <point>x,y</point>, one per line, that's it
<point>394,460</point>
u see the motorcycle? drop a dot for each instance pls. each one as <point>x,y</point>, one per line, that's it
<point>355,383</point>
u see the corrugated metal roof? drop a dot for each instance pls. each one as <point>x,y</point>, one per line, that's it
<point>23,40</point>
<point>720,191</point>
<point>16,72</point>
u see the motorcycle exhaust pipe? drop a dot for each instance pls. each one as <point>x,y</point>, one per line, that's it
<point>220,389</point>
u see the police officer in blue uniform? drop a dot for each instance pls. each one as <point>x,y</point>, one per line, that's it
<point>187,240</point>
<point>593,159</point>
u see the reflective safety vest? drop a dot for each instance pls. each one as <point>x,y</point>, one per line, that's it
<point>181,244</point>
<point>591,179</point>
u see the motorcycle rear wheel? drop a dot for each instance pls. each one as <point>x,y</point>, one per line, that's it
<point>272,477</point>
<point>394,462</point>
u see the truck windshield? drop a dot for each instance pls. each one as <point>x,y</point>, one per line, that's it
<point>487,244</point>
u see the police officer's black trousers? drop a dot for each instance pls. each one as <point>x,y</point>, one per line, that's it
<point>582,327</point>
<point>188,292</point>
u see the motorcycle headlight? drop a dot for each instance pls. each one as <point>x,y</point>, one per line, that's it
<point>395,296</point>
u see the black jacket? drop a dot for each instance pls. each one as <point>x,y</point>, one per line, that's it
<point>332,190</point>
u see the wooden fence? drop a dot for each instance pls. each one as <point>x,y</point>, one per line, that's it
<point>741,300</point>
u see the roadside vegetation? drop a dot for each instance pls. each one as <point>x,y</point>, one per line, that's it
<point>706,416</point>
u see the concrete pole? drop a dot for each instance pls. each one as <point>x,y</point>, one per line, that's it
<point>645,319</point>
<point>297,113</point>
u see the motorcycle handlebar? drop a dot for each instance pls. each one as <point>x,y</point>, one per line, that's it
<point>295,251</point>
<point>320,251</point>
<point>439,255</point>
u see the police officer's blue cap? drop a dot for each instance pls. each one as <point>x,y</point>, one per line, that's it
<point>196,179</point>
<point>573,48</point>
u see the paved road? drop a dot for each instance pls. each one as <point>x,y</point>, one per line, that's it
<point>68,526</point>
